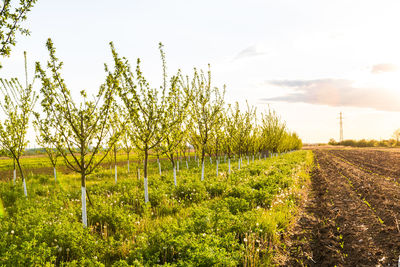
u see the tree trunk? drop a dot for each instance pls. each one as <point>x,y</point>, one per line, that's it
<point>229,165</point>
<point>203,154</point>
<point>116,173</point>
<point>128,162</point>
<point>115,163</point>
<point>202,170</point>
<point>15,173</point>
<point>217,166</point>
<point>174,170</point>
<point>55,174</point>
<point>22,176</point>
<point>83,185</point>
<point>159,164</point>
<point>146,189</point>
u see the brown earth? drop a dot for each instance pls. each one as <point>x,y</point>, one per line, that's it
<point>352,214</point>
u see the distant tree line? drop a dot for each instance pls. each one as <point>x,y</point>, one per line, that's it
<point>365,143</point>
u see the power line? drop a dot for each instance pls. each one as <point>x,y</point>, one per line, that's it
<point>341,127</point>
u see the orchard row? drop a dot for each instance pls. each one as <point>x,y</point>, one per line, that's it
<point>186,113</point>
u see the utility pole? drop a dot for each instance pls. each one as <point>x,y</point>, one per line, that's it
<point>341,127</point>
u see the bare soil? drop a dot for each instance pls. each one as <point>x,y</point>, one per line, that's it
<point>352,214</point>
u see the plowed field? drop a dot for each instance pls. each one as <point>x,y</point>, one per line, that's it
<point>352,215</point>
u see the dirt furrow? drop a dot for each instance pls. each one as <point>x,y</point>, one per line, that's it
<point>338,226</point>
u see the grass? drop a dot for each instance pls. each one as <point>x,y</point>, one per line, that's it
<point>228,220</point>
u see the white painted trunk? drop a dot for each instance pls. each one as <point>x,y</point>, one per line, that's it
<point>202,171</point>
<point>229,165</point>
<point>138,173</point>
<point>174,176</point>
<point>128,166</point>
<point>146,191</point>
<point>159,167</point>
<point>116,174</point>
<point>55,174</point>
<point>187,165</point>
<point>248,160</point>
<point>177,165</point>
<point>84,214</point>
<point>25,191</point>
<point>210,160</point>
<point>217,167</point>
<point>224,158</point>
<point>239,164</point>
<point>253,158</point>
<point>15,176</point>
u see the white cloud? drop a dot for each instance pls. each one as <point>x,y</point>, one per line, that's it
<point>336,93</point>
<point>251,51</point>
<point>385,67</point>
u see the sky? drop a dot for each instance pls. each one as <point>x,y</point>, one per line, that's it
<point>308,60</point>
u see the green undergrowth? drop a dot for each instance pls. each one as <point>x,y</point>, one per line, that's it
<point>227,220</point>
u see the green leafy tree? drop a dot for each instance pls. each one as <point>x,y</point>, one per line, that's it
<point>217,136</point>
<point>396,135</point>
<point>272,130</point>
<point>229,134</point>
<point>247,128</point>
<point>176,118</point>
<point>17,107</point>
<point>11,18</point>
<point>45,140</point>
<point>83,128</point>
<point>239,129</point>
<point>148,108</point>
<point>127,142</point>
<point>254,139</point>
<point>117,128</point>
<point>206,104</point>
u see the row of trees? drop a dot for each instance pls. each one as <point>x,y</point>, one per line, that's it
<point>185,113</point>
<point>365,143</point>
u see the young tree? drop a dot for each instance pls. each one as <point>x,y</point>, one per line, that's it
<point>148,108</point>
<point>158,151</point>
<point>206,104</point>
<point>10,23</point>
<point>117,128</point>
<point>254,141</point>
<point>83,128</point>
<point>174,138</point>
<point>247,130</point>
<point>17,107</point>
<point>396,135</point>
<point>127,142</point>
<point>229,134</point>
<point>239,127</point>
<point>44,140</point>
<point>272,130</point>
<point>216,143</point>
